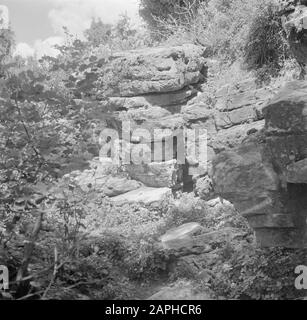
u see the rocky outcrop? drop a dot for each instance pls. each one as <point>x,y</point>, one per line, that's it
<point>236,114</point>
<point>147,89</point>
<point>154,71</point>
<point>104,179</point>
<point>157,174</point>
<point>265,176</point>
<point>157,92</point>
<point>193,239</point>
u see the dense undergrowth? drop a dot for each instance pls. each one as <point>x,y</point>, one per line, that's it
<point>60,242</point>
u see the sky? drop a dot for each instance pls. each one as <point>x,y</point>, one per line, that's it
<point>38,24</point>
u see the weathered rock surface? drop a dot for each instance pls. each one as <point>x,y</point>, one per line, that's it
<point>157,174</point>
<point>146,196</point>
<point>180,237</point>
<point>167,99</point>
<point>265,176</point>
<point>109,186</point>
<point>193,239</point>
<point>154,70</point>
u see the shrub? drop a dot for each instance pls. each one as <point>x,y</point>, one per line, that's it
<point>155,12</point>
<point>266,48</point>
<point>258,274</point>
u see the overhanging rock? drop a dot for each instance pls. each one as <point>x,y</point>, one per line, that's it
<point>266,177</point>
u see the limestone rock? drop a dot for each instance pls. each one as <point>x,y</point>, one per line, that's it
<point>233,137</point>
<point>167,99</point>
<point>154,70</point>
<point>146,196</point>
<point>242,94</point>
<point>196,112</point>
<point>229,119</point>
<point>180,237</point>
<point>157,174</point>
<point>265,177</point>
<point>287,111</point>
<point>109,186</point>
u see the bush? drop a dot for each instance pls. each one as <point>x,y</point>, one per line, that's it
<point>266,48</point>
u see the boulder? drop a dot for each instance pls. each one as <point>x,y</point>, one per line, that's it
<point>109,186</point>
<point>233,137</point>
<point>229,119</point>
<point>167,99</point>
<point>242,94</point>
<point>180,237</point>
<point>157,174</point>
<point>146,196</point>
<point>154,70</point>
<point>196,112</point>
<point>192,239</point>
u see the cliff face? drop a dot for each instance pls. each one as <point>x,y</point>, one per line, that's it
<point>265,177</point>
<point>157,91</point>
<point>147,94</point>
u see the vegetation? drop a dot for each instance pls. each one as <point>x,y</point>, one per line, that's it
<point>62,242</point>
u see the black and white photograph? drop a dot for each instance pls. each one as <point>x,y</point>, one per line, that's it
<point>153,154</point>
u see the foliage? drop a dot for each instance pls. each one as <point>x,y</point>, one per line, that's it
<point>266,48</point>
<point>230,30</point>
<point>156,13</point>
<point>121,36</point>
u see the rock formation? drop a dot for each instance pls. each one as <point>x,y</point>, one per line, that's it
<point>159,89</point>
<point>255,148</point>
<point>147,89</point>
<point>265,177</point>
